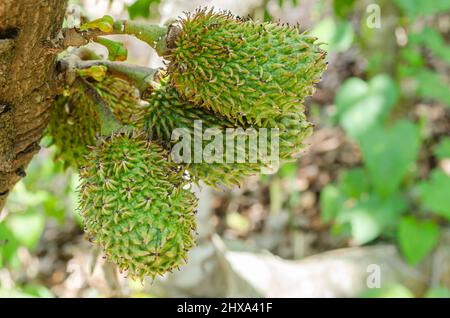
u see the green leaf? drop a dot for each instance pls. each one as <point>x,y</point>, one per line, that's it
<point>391,291</point>
<point>37,291</point>
<point>141,8</point>
<point>433,86</point>
<point>354,182</point>
<point>267,15</point>
<point>389,153</point>
<point>342,8</point>
<point>414,8</point>
<point>104,24</point>
<point>8,244</point>
<point>438,292</point>
<point>97,72</point>
<point>434,41</point>
<point>412,57</point>
<point>236,221</point>
<point>362,105</point>
<point>364,224</point>
<point>338,36</point>
<point>55,209</point>
<point>117,50</point>
<point>13,293</point>
<point>417,238</point>
<point>370,218</point>
<point>442,151</point>
<point>435,194</point>
<point>331,200</point>
<point>27,228</point>
<point>288,170</point>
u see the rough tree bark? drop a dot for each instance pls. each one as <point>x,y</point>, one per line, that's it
<point>28,31</point>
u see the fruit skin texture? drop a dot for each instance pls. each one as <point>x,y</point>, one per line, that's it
<point>75,122</point>
<point>248,72</point>
<point>293,130</point>
<point>167,111</point>
<point>134,206</point>
<point>122,98</point>
<point>73,126</point>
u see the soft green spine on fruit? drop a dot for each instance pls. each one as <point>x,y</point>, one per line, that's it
<point>167,111</point>
<point>73,126</point>
<point>122,98</point>
<point>293,128</point>
<point>134,205</point>
<point>244,70</point>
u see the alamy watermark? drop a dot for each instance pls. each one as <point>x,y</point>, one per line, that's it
<point>374,278</point>
<point>229,145</point>
<point>373,20</point>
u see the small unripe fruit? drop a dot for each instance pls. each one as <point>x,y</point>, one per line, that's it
<point>246,71</point>
<point>73,126</point>
<point>122,98</point>
<point>167,111</point>
<point>134,205</point>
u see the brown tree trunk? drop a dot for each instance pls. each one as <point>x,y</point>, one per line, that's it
<point>27,81</point>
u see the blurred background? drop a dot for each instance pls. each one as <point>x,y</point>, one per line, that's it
<point>364,212</point>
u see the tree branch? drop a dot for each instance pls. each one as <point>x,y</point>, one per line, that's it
<point>28,81</point>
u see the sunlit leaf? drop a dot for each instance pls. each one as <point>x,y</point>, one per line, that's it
<point>141,8</point>
<point>338,36</point>
<point>361,105</point>
<point>372,217</point>
<point>391,291</point>
<point>27,228</point>
<point>8,244</point>
<point>37,291</point>
<point>117,50</point>
<point>104,24</point>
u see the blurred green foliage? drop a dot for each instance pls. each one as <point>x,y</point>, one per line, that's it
<point>47,195</point>
<point>415,8</point>
<point>417,238</point>
<point>142,9</point>
<point>385,197</point>
<point>361,105</point>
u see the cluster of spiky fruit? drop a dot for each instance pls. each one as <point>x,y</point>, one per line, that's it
<point>134,205</point>
<point>242,70</point>
<point>225,73</point>
<point>73,125</point>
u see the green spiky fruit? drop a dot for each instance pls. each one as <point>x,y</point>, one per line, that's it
<point>122,98</point>
<point>134,205</point>
<point>73,126</point>
<point>246,71</point>
<point>167,111</point>
<point>294,128</point>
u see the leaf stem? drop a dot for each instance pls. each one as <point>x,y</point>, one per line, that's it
<point>154,35</point>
